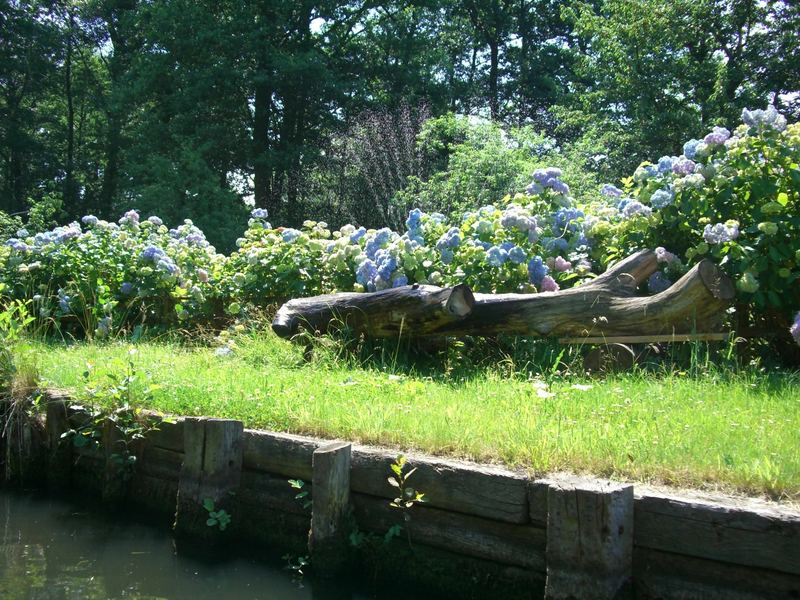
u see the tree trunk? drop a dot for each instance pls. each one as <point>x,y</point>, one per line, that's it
<point>261,167</point>
<point>70,189</point>
<point>494,101</point>
<point>605,306</point>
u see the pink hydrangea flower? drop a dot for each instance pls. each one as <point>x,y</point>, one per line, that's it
<point>549,284</point>
<point>562,265</point>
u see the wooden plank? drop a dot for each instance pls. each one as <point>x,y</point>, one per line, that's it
<point>504,543</point>
<point>327,540</point>
<point>262,491</point>
<point>154,493</point>
<point>480,490</point>
<point>169,435</point>
<point>745,532</point>
<point>279,453</point>
<point>664,575</point>
<point>160,462</point>
<point>589,539</point>
<point>648,339</point>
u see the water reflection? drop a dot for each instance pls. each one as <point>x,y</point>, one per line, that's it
<point>51,551</point>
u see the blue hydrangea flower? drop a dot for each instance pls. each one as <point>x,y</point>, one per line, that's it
<point>658,282</point>
<point>721,232</point>
<point>168,266</point>
<point>496,256</point>
<point>611,191</point>
<point>537,270</point>
<point>636,208</point>
<point>794,330</point>
<point>17,245</point>
<point>63,301</point>
<point>446,255</point>
<point>690,148</point>
<point>155,221</point>
<point>399,281</point>
<point>718,135</point>
<point>366,272</point>
<point>764,119</point>
<point>89,220</point>
<point>357,235</point>
<point>553,245</point>
<point>564,219</point>
<point>507,245</point>
<point>152,253</point>
<point>414,219</point>
<point>683,166</point>
<point>126,288</point>
<point>451,239</point>
<point>386,264</point>
<point>517,255</point>
<point>665,164</point>
<point>547,178</point>
<point>377,241</point>
<point>259,213</point>
<point>289,235</point>
<point>662,198</point>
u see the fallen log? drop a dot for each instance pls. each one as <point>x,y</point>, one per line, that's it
<point>604,306</point>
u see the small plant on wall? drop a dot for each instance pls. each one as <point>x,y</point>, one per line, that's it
<point>216,518</point>
<point>119,397</point>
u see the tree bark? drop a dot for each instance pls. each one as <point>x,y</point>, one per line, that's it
<point>605,306</point>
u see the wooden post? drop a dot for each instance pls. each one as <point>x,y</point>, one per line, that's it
<point>589,539</point>
<point>327,541</point>
<point>59,461</point>
<point>211,471</point>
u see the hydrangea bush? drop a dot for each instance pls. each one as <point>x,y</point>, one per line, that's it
<point>99,275</point>
<point>730,196</point>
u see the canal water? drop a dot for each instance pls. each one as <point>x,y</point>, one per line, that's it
<point>55,550</point>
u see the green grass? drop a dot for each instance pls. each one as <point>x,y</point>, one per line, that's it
<point>722,429</point>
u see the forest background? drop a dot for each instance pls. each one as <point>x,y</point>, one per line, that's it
<point>357,111</point>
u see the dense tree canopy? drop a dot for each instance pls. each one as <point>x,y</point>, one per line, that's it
<point>187,107</point>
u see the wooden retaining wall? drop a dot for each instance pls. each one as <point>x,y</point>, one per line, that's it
<point>483,531</point>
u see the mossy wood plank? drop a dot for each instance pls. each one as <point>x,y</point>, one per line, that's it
<point>484,491</point>
<point>664,575</point>
<point>504,543</point>
<point>279,453</point>
<point>263,491</point>
<point>750,533</point>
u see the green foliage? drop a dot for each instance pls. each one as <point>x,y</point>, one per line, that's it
<point>407,496</point>
<point>118,400</point>
<point>216,518</point>
<point>749,186</point>
<point>101,280</point>
<point>9,225</point>
<point>480,161</point>
<point>302,494</point>
<point>14,319</point>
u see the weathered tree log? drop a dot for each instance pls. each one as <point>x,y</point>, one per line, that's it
<point>605,306</point>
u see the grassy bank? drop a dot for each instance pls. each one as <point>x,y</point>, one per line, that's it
<point>723,429</point>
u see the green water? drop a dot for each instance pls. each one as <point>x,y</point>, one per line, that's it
<point>56,550</point>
